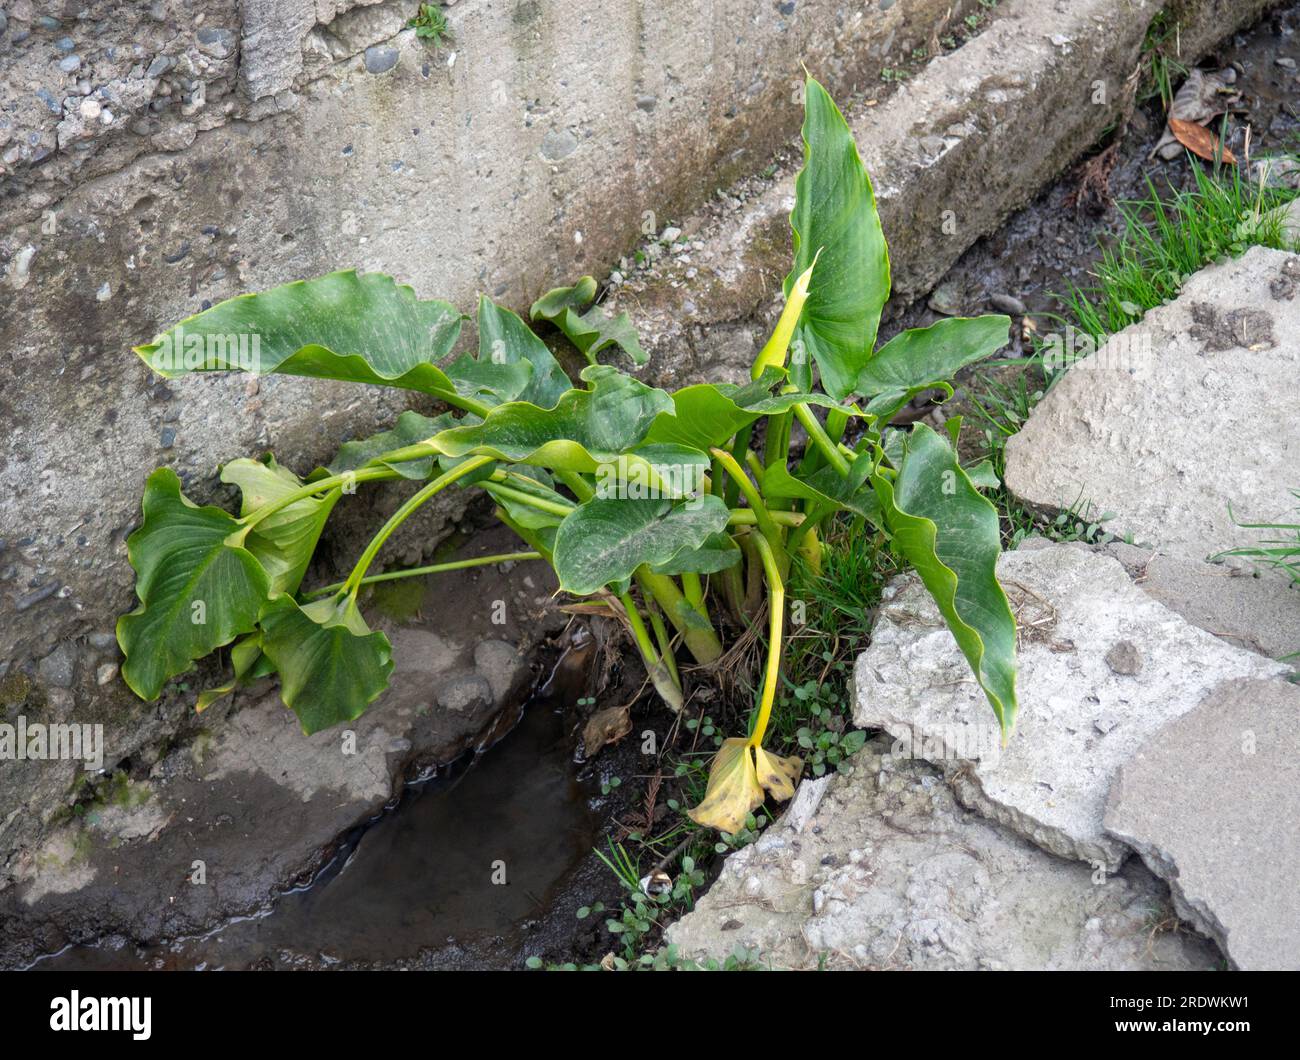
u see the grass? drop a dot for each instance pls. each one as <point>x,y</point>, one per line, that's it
<point>1281,552</point>
<point>1165,240</point>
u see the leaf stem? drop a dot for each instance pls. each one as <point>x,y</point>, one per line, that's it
<point>436,568</point>
<point>776,618</point>
<point>821,439</point>
<point>311,489</point>
<point>353,584</point>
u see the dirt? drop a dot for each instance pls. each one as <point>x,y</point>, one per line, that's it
<point>1056,240</point>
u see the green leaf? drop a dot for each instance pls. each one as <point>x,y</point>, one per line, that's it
<point>606,539</point>
<point>284,542</point>
<point>198,589</point>
<point>559,300</point>
<point>362,328</point>
<point>410,430</point>
<point>504,338</point>
<point>707,414</point>
<point>835,213</point>
<point>717,553</point>
<point>950,534</point>
<point>331,665</point>
<point>593,330</point>
<point>586,428</point>
<point>828,486</point>
<point>921,358</point>
<point>249,663</point>
<point>495,382</point>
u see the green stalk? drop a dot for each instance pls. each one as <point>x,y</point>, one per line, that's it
<point>817,434</point>
<point>581,488</point>
<point>776,617</point>
<point>436,568</point>
<point>748,517</point>
<point>739,447</point>
<point>660,676</point>
<point>665,643</point>
<point>310,490</point>
<point>696,630</point>
<point>764,519</point>
<point>540,503</point>
<point>353,584</point>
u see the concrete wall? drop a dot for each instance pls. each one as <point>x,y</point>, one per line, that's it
<point>158,157</point>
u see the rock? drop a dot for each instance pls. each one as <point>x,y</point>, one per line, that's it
<point>1009,304</point>
<point>217,42</point>
<point>1261,614</point>
<point>380,58</point>
<point>465,694</point>
<point>1150,426</point>
<point>1080,715</point>
<point>1211,802</point>
<point>59,667</point>
<point>888,872</point>
<point>558,144</point>
<point>504,668</point>
<point>946,299</point>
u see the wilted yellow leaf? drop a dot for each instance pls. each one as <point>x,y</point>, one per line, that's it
<point>733,792</point>
<point>778,775</point>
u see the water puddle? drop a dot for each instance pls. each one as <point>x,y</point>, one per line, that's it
<point>470,854</point>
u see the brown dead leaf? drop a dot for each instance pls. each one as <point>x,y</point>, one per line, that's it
<point>1200,141</point>
<point>605,727</point>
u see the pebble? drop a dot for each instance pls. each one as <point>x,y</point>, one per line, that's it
<point>65,44</point>
<point>217,42</point>
<point>671,234</point>
<point>1285,63</point>
<point>57,668</point>
<point>558,144</point>
<point>380,58</point>
<point>4,23</point>
<point>105,673</point>
<point>167,438</point>
<point>70,64</point>
<point>47,97</point>
<point>48,22</point>
<point>90,109</point>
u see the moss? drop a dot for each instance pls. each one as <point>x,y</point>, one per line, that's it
<point>14,689</point>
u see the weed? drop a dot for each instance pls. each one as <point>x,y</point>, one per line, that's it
<point>1165,241</point>
<point>430,24</point>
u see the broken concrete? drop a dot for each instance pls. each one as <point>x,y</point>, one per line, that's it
<point>888,872</point>
<point>1183,426</point>
<point>1102,668</point>
<point>1261,614</point>
<point>1211,801</point>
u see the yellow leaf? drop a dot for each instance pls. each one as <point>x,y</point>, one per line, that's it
<point>733,792</point>
<point>778,775</point>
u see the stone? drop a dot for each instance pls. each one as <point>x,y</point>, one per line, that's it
<point>558,144</point>
<point>889,872</point>
<point>1149,427</point>
<point>1211,803</point>
<point>381,58</point>
<point>59,667</point>
<point>217,42</point>
<point>1081,716</point>
<point>503,666</point>
<point>465,694</point>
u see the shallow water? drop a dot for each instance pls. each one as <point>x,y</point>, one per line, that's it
<point>468,855</point>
